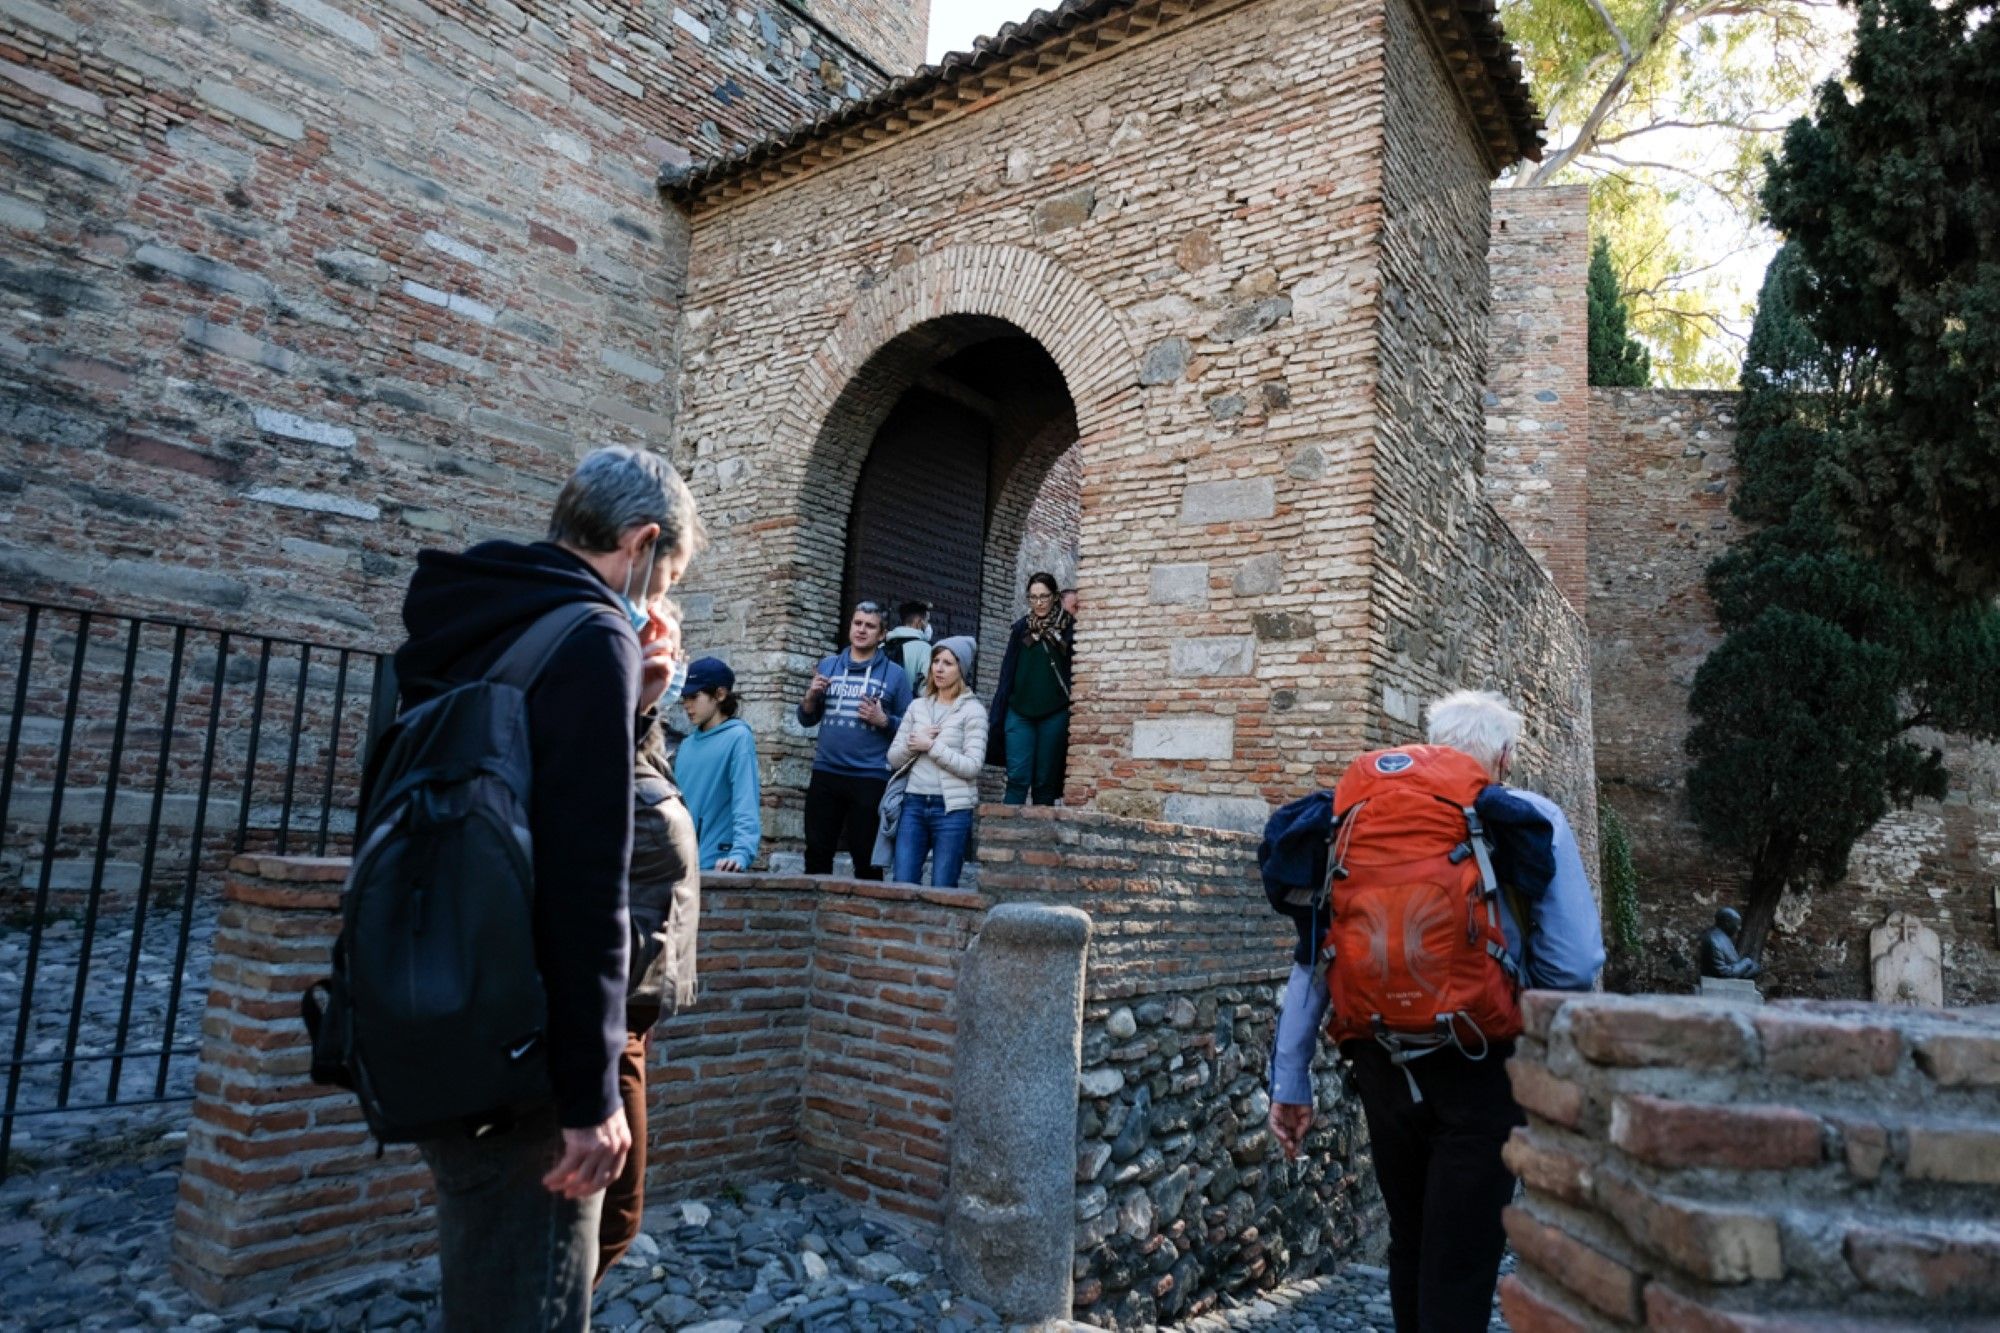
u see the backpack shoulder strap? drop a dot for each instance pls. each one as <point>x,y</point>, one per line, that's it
<point>527,656</point>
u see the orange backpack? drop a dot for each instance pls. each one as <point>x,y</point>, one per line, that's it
<point>1415,954</point>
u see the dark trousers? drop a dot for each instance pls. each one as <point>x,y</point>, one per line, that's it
<point>1438,1163</point>
<point>514,1257</point>
<point>842,808</point>
<point>625,1197</point>
<point>1037,757</point>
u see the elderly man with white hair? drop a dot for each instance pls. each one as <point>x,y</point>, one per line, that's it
<point>1436,1124</point>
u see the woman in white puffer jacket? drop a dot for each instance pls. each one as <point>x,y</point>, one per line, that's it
<point>943,738</point>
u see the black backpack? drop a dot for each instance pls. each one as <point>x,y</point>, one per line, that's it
<point>435,1013</point>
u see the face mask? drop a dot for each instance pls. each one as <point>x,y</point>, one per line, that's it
<point>676,680</point>
<point>635,611</point>
<point>927,634</point>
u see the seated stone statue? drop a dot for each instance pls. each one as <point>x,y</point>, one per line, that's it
<point>1718,948</point>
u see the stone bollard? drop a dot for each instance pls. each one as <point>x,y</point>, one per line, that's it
<point>282,1186</point>
<point>1010,1216</point>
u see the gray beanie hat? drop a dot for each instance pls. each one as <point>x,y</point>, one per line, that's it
<point>963,647</point>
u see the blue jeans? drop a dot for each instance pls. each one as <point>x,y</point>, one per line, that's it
<point>1036,751</point>
<point>926,828</point>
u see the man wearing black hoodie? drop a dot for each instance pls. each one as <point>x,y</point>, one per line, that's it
<point>518,1203</point>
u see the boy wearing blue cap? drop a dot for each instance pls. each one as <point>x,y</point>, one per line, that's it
<point>717,769</point>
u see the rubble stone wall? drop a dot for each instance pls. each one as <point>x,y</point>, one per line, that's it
<point>1693,1164</point>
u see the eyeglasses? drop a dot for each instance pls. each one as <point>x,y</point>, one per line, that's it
<point>871,608</point>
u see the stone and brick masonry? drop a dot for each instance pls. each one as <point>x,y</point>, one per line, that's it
<point>294,290</point>
<point>1252,237</point>
<point>1662,468</point>
<point>1696,1165</point>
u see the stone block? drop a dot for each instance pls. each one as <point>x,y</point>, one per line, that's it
<point>1722,1245</point>
<point>1178,585</point>
<point>238,344</point>
<point>1259,576</point>
<point>1962,1153</point>
<point>1595,1277</point>
<point>1730,1137</point>
<point>1545,1168</point>
<point>1529,1309</point>
<point>42,19</point>
<point>1740,990</point>
<point>1960,1059</point>
<point>1065,211</point>
<point>631,367</point>
<point>1545,1093</point>
<point>62,153</point>
<point>328,19</point>
<point>1213,655</point>
<point>1233,501</point>
<point>353,266</point>
<point>1933,1264</point>
<point>233,101</point>
<point>1184,737</point>
<point>1284,626</point>
<point>1239,814</point>
<point>1244,321</point>
<point>1165,361</point>
<point>1810,1046</point>
<point>1660,1032</point>
<point>52,88</point>
<point>1906,962</point>
<point>618,79</point>
<point>315,501</point>
<point>291,426</point>
<point>1010,1216</point>
<point>20,215</point>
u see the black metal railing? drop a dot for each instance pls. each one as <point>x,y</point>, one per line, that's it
<point>141,755</point>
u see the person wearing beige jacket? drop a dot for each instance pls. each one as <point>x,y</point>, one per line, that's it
<point>943,739</point>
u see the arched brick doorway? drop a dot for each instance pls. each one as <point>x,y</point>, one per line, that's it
<point>938,511</point>
<point>951,428</point>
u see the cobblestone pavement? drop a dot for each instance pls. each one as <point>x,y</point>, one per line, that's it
<point>84,1245</point>
<point>1354,1300</point>
<point>44,1136</point>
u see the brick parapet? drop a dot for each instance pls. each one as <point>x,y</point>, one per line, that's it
<point>281,1185</point>
<point>1692,1163</point>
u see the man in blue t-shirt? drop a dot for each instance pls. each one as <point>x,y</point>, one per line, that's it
<point>856,699</point>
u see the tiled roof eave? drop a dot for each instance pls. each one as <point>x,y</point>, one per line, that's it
<point>1477,52</point>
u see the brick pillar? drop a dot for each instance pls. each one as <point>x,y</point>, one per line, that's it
<point>1538,378</point>
<point>1696,1164</point>
<point>281,1184</point>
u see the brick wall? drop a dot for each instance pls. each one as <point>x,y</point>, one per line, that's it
<point>1662,466</point>
<point>293,290</point>
<point>894,34</point>
<point>822,1044</point>
<point>1538,377</point>
<point>281,1184</point>
<point>1221,334</point>
<point>1699,1165</point>
<point>1459,602</point>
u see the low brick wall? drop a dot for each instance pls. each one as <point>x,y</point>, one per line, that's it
<point>281,1184</point>
<point>1698,1165</point>
<point>822,1045</point>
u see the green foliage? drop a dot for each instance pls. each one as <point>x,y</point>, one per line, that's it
<point>1615,358</point>
<point>1891,196</point>
<point>1620,879</point>
<point>1803,715</point>
<point>1666,108</point>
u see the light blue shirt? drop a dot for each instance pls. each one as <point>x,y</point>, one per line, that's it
<point>1567,953</point>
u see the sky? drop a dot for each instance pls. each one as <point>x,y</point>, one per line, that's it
<point>954,23</point>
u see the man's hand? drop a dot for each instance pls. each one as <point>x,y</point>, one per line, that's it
<point>872,713</point>
<point>592,1158</point>
<point>817,690</point>
<point>729,865</point>
<point>1289,1124</point>
<point>660,648</point>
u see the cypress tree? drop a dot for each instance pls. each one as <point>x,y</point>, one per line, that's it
<point>1891,195</point>
<point>1615,357</point>
<point>1803,715</point>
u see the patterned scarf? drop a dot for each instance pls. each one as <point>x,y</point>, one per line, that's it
<point>1049,630</point>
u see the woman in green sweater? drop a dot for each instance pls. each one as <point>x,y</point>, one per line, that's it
<point>1029,727</point>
